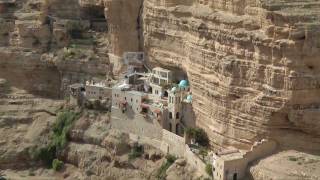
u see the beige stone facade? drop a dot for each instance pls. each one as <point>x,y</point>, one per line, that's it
<point>232,164</point>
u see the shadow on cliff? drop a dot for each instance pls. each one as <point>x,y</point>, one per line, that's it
<point>290,136</point>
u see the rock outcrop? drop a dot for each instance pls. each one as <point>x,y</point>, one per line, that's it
<point>252,66</point>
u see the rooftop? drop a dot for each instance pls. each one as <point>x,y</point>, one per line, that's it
<point>76,85</point>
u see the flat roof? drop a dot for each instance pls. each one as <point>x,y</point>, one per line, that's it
<point>76,85</point>
<point>139,93</point>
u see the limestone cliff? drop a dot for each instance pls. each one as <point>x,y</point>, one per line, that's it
<point>46,45</point>
<point>252,65</point>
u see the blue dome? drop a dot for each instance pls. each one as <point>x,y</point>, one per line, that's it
<point>183,84</point>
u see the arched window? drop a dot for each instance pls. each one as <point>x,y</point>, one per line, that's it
<point>177,115</point>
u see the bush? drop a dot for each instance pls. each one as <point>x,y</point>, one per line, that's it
<point>199,135</point>
<point>209,169</point>
<point>161,173</point>
<point>292,158</point>
<point>171,158</point>
<point>57,165</point>
<point>58,139</point>
<point>136,151</point>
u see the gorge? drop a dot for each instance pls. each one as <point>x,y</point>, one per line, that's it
<point>252,66</point>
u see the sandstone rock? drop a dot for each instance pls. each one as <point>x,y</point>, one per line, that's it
<point>181,162</point>
<point>237,56</point>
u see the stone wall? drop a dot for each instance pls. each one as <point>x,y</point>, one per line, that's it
<point>172,143</point>
<point>194,160</point>
<point>129,122</point>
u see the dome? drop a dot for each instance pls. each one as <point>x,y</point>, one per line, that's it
<point>183,83</point>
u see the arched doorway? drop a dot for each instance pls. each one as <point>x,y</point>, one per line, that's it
<point>165,94</point>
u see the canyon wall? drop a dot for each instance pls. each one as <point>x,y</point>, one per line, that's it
<point>252,65</point>
<point>47,45</point>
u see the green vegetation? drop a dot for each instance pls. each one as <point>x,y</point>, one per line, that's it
<point>161,173</point>
<point>58,138</point>
<point>199,135</point>
<point>57,165</point>
<point>209,169</point>
<point>136,151</point>
<point>70,52</point>
<point>31,173</point>
<point>292,158</point>
<point>203,152</point>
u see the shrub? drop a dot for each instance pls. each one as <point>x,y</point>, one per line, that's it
<point>199,135</point>
<point>58,139</point>
<point>161,173</point>
<point>31,173</point>
<point>209,169</point>
<point>57,165</point>
<point>292,158</point>
<point>136,151</point>
<point>203,152</point>
<point>171,158</point>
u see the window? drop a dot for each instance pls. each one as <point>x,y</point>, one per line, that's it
<point>177,115</point>
<point>131,100</point>
<point>170,115</point>
<point>125,98</point>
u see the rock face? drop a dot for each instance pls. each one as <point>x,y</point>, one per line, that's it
<point>46,45</point>
<point>252,65</point>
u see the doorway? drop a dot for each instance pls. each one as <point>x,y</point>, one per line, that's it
<point>235,176</point>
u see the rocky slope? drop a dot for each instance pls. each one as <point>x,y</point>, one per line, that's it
<point>252,66</point>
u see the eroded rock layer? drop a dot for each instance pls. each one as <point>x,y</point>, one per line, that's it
<point>252,65</point>
<point>47,45</point>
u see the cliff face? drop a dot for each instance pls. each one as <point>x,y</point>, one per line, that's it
<point>46,45</point>
<point>252,66</point>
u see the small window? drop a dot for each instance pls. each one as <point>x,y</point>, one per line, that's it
<point>131,99</point>
<point>125,98</point>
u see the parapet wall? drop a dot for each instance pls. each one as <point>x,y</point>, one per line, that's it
<point>172,143</point>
